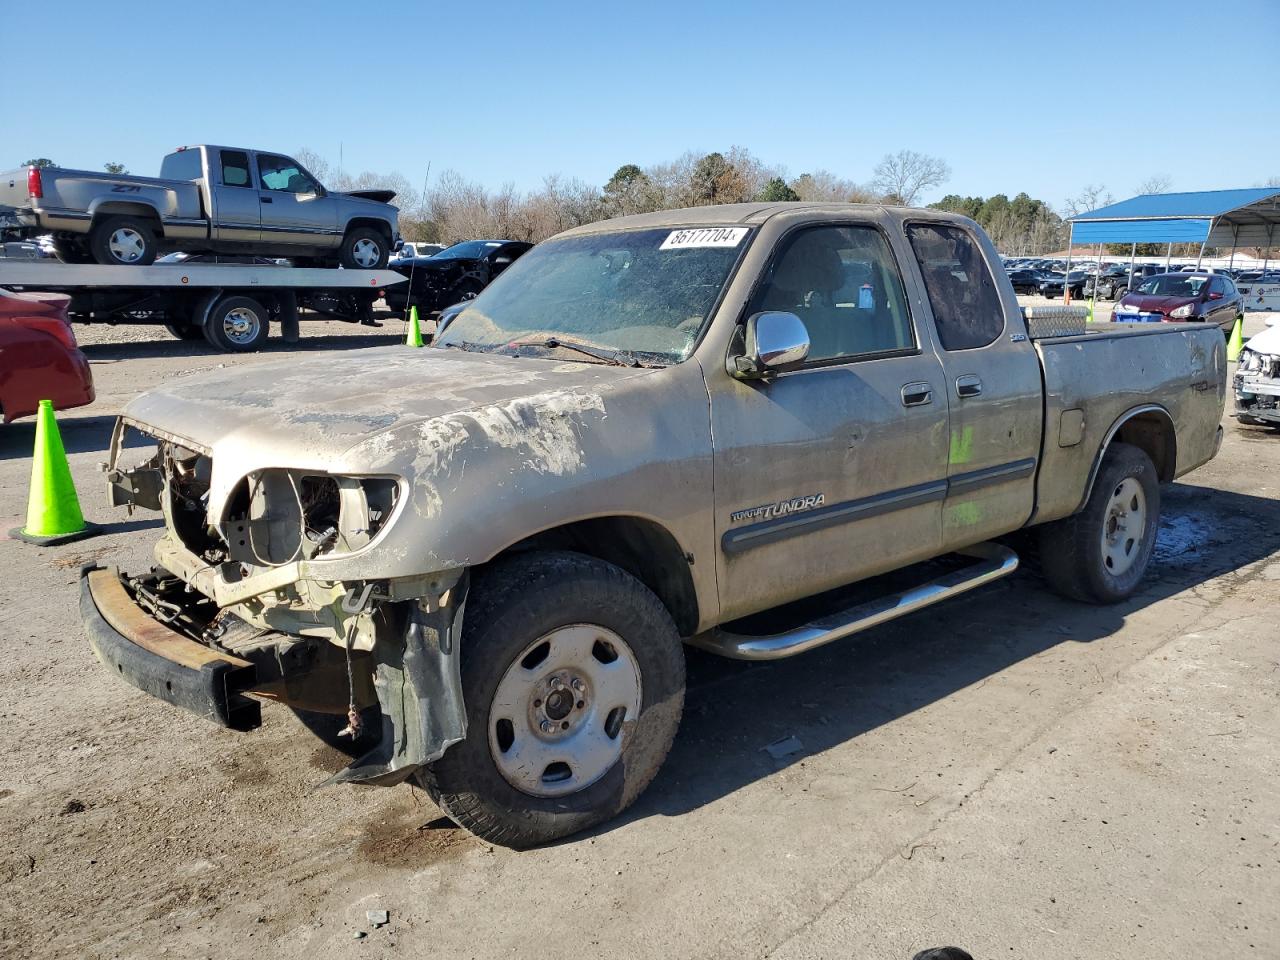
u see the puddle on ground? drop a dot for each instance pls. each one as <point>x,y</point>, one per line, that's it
<point>1183,538</point>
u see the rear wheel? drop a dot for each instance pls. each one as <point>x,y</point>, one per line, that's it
<point>123,241</point>
<point>573,677</point>
<point>1101,554</point>
<point>237,325</point>
<point>184,331</point>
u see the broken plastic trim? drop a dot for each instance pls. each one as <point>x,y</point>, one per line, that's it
<point>419,687</point>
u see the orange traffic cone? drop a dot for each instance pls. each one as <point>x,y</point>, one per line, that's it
<point>53,509</point>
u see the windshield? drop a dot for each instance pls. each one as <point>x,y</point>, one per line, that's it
<point>468,250</point>
<point>1173,285</point>
<point>645,292</point>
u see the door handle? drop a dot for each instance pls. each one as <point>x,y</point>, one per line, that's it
<point>916,394</point>
<point>968,386</point>
<point>265,199</point>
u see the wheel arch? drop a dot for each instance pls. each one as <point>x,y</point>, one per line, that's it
<point>377,223</point>
<point>642,547</point>
<point>99,210</point>
<point>1148,427</point>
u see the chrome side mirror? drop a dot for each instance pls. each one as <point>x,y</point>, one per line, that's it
<point>773,342</point>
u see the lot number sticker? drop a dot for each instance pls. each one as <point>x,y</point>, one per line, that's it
<point>704,237</point>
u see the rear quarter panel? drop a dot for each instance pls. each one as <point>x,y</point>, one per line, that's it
<point>1106,375</point>
<point>73,197</point>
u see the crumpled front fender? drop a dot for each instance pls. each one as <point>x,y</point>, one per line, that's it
<point>419,685</point>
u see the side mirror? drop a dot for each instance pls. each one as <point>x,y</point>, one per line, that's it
<point>1215,295</point>
<point>772,343</point>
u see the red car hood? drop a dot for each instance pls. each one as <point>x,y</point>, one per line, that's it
<point>1151,304</point>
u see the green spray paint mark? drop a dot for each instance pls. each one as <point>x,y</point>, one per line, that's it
<point>961,446</point>
<point>963,515</point>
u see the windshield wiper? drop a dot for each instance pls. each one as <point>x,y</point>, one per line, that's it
<point>617,357</point>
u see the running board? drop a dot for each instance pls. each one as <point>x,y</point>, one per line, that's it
<point>993,561</point>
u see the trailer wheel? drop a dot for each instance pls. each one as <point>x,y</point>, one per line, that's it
<point>364,248</point>
<point>237,324</point>
<point>123,241</point>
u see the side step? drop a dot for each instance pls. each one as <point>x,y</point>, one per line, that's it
<point>993,562</point>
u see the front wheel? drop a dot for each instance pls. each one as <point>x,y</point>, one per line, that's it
<point>573,677</point>
<point>1101,554</point>
<point>364,248</point>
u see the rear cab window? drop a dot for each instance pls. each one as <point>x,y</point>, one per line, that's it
<point>182,165</point>
<point>966,305</point>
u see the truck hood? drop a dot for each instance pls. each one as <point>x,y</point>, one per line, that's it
<point>1267,342</point>
<point>1151,304</point>
<point>377,196</point>
<point>310,413</point>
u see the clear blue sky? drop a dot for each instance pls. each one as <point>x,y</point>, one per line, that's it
<point>1014,96</point>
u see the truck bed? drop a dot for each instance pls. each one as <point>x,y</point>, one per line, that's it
<point>1138,362</point>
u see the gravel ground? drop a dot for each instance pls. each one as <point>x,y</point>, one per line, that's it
<point>1011,772</point>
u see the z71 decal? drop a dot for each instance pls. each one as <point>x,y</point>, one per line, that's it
<point>782,508</point>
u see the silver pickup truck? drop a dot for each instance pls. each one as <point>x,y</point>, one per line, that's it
<point>210,199</point>
<point>652,431</point>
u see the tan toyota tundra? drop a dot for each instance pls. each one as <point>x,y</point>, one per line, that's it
<point>489,553</point>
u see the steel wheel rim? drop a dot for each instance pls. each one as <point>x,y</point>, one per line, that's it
<point>1124,527</point>
<point>365,252</point>
<point>558,719</point>
<point>241,325</point>
<point>126,245</point>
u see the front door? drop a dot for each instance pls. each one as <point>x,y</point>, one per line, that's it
<point>295,209</point>
<point>993,387</point>
<point>835,471</point>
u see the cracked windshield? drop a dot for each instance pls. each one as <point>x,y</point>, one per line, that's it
<point>642,294</point>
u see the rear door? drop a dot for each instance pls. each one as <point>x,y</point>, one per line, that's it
<point>295,208</point>
<point>836,470</point>
<point>993,386</point>
<point>235,198</point>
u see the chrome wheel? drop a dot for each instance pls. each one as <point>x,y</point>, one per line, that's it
<point>1124,527</point>
<point>556,720</point>
<point>366,252</point>
<point>241,325</point>
<point>127,245</point>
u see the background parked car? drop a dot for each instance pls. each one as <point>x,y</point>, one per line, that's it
<point>39,359</point>
<point>1026,281</point>
<point>406,249</point>
<point>1051,285</point>
<point>1194,297</point>
<point>456,273</point>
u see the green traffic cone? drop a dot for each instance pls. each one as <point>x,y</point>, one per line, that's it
<point>1236,341</point>
<point>53,509</point>
<point>415,329</point>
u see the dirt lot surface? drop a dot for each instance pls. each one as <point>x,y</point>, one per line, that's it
<point>1013,773</point>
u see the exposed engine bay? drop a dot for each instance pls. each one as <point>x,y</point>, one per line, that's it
<point>1257,380</point>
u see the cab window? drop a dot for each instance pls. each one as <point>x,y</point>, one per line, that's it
<point>284,175</point>
<point>843,282</point>
<point>962,292</point>
<point>235,168</point>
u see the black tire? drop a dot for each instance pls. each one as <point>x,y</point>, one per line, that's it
<point>356,252</point>
<point>71,251</point>
<point>237,325</point>
<point>138,230</point>
<point>1071,550</point>
<point>511,606</point>
<point>185,331</point>
<point>1119,292</point>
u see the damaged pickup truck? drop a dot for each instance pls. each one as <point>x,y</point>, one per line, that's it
<point>651,431</point>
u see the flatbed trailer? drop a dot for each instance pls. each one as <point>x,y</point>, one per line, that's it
<point>231,305</point>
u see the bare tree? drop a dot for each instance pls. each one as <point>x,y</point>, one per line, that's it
<point>823,186</point>
<point>1157,183</point>
<point>1090,198</point>
<point>901,177</point>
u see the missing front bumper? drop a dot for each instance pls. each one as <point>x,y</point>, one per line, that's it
<point>161,662</point>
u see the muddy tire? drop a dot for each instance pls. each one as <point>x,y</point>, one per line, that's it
<point>1101,554</point>
<point>573,677</point>
<point>123,241</point>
